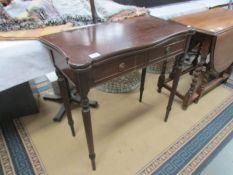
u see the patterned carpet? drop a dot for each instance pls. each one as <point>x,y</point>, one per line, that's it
<point>188,155</point>
<point>192,151</point>
<point>17,153</point>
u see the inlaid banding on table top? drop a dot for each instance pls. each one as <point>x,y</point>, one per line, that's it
<point>112,38</point>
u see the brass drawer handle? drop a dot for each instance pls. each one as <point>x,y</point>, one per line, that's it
<point>168,50</point>
<point>122,66</point>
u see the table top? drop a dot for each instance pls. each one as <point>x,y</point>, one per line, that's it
<point>83,46</point>
<point>211,21</point>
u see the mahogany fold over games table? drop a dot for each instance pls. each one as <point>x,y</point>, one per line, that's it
<point>95,54</point>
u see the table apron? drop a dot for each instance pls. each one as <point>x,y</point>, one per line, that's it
<point>125,63</point>
<point>122,63</point>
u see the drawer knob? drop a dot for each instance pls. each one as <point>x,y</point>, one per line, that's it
<point>122,66</point>
<point>168,50</point>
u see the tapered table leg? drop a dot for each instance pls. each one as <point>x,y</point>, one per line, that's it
<point>177,73</point>
<point>83,90</point>
<point>65,94</point>
<point>162,76</point>
<point>88,130</point>
<point>143,77</point>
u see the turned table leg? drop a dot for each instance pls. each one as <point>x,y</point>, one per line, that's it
<point>204,50</point>
<point>143,77</point>
<point>177,73</point>
<point>88,129</point>
<point>65,94</point>
<point>83,88</point>
<point>193,87</point>
<point>162,76</point>
<point>204,80</point>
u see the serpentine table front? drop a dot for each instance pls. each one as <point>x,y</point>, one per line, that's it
<point>98,53</point>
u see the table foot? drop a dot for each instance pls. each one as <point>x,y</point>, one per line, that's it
<point>88,130</point>
<point>184,107</point>
<point>72,130</point>
<point>167,114</point>
<point>93,164</point>
<point>86,114</point>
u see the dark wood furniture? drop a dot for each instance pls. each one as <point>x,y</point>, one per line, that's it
<point>214,37</point>
<point>25,104</point>
<point>95,54</point>
<point>74,96</point>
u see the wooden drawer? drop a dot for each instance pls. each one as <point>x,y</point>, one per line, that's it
<point>166,50</point>
<point>117,66</point>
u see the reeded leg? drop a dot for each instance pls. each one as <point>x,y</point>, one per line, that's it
<point>177,73</point>
<point>88,129</point>
<point>143,77</point>
<point>64,88</point>
<point>162,76</point>
<point>83,88</point>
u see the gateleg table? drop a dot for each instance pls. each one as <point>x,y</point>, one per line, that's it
<point>214,43</point>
